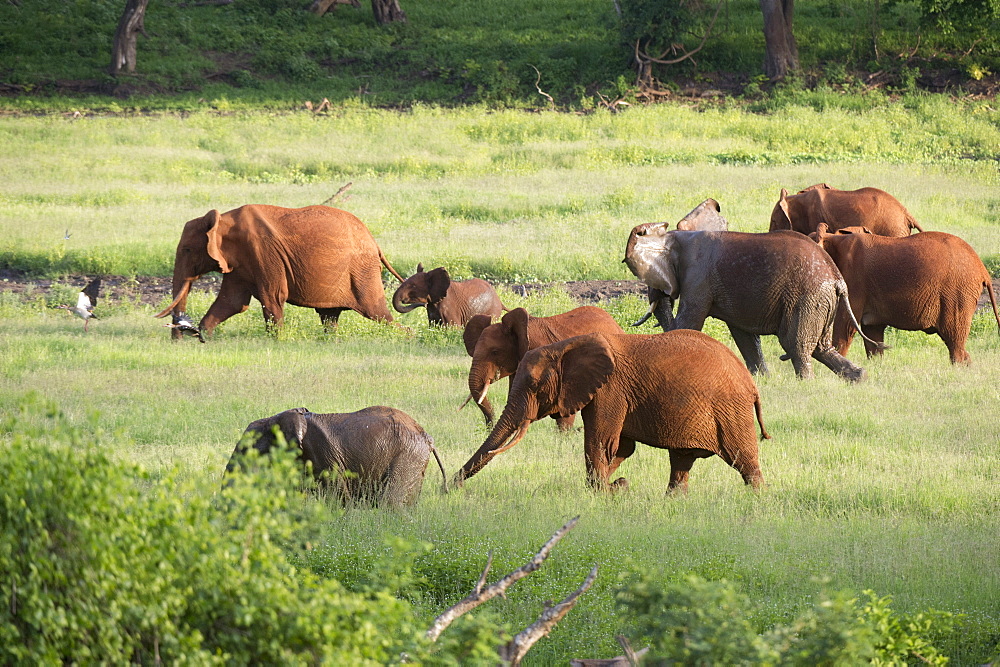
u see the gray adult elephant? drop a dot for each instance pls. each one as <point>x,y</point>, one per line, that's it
<point>448,302</point>
<point>385,449</point>
<point>758,284</point>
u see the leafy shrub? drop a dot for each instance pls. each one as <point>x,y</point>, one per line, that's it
<point>102,562</point>
<point>695,621</point>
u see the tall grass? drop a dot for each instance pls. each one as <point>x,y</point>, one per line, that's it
<point>883,485</point>
<point>889,485</point>
<point>506,195</point>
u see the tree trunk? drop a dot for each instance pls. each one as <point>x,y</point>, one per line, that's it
<point>129,27</point>
<point>388,11</point>
<point>781,54</point>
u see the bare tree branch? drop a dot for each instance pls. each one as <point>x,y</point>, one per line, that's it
<point>538,80</point>
<point>515,649</point>
<point>338,193</point>
<point>481,595</point>
<point>708,33</point>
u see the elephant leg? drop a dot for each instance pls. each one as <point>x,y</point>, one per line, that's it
<point>796,336</point>
<point>838,363</point>
<point>233,299</point>
<point>749,346</point>
<point>330,317</point>
<point>681,461</point>
<point>953,328</point>
<point>745,462</point>
<point>565,424</point>
<point>404,480</point>
<point>843,329</point>
<point>625,449</point>
<point>598,450</point>
<point>691,314</point>
<point>877,333</point>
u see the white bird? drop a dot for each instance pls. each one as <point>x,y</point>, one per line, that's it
<point>184,325</point>
<point>85,302</point>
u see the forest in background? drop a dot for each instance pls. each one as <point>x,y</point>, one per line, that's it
<point>565,54</point>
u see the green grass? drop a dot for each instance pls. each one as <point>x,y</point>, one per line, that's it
<point>882,485</point>
<point>506,195</point>
<point>889,485</point>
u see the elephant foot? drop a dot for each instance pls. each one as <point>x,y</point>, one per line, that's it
<point>620,484</point>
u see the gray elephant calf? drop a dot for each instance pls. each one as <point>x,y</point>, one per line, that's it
<point>385,450</point>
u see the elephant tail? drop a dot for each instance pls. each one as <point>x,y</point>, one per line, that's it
<point>764,435</point>
<point>988,284</point>
<point>387,265</point>
<point>843,298</point>
<point>912,222</point>
<point>444,476</point>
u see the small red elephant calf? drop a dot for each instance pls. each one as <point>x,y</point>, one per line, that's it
<point>929,282</point>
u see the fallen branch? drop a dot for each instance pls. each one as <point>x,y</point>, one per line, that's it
<point>515,649</point>
<point>338,193</point>
<point>552,102</point>
<point>482,593</point>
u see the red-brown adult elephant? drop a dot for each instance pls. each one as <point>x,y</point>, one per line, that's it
<point>681,391</point>
<point>318,257</point>
<point>496,349</point>
<point>867,207</point>
<point>929,282</point>
<point>448,302</point>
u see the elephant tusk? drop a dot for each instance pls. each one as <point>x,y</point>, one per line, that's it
<point>649,313</point>
<point>482,396</point>
<point>516,438</point>
<point>466,401</point>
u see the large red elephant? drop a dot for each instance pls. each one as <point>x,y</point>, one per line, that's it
<point>681,391</point>
<point>928,282</point>
<point>875,209</point>
<point>318,257</point>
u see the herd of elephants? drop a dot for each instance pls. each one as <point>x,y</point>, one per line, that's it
<point>833,263</point>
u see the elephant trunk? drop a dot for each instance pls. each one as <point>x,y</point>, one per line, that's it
<point>479,384</point>
<point>508,432</point>
<point>399,305</point>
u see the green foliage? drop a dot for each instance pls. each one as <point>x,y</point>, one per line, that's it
<point>101,562</point>
<point>700,622</point>
<point>654,24</point>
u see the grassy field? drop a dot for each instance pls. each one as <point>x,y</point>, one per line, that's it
<point>890,485</point>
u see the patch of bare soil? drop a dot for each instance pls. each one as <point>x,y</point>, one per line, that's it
<point>152,290</point>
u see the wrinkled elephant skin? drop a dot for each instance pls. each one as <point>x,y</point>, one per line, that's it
<point>928,282</point>
<point>875,209</point>
<point>497,348</point>
<point>448,302</point>
<point>317,257</point>
<point>385,449</point>
<point>779,283</point>
<point>681,391</point>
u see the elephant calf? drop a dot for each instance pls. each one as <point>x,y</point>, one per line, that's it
<point>448,302</point>
<point>385,450</point>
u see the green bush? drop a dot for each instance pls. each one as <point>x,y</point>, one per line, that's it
<point>102,562</point>
<point>695,621</point>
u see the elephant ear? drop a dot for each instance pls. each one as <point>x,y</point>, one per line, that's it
<point>293,425</point>
<point>585,365</point>
<point>216,235</point>
<point>822,231</point>
<point>473,330</point>
<point>783,205</point>
<point>420,267</point>
<point>517,322</point>
<point>438,282</point>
